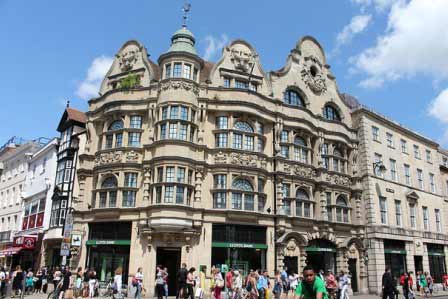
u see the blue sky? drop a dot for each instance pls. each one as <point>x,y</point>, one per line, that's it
<point>391,54</point>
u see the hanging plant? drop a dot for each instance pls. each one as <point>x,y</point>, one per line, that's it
<point>130,81</point>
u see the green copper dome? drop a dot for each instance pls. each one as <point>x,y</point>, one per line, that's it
<point>183,41</point>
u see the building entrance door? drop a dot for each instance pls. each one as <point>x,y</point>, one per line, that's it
<point>354,274</point>
<point>418,262</point>
<point>291,263</point>
<point>169,257</point>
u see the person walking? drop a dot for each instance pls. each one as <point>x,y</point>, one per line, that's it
<point>430,282</point>
<point>181,281</point>
<point>190,283</point>
<point>293,282</point>
<point>38,282</point>
<point>2,282</point>
<point>29,282</point>
<point>17,281</point>
<point>219,284</point>
<point>237,285</point>
<point>78,286</point>
<point>92,283</point>
<point>262,284</point>
<point>277,290</point>
<point>165,280</point>
<point>251,285</point>
<point>44,279</point>
<point>66,274</point>
<point>139,283</point>
<point>118,282</point>
<point>160,282</point>
<point>229,278</point>
<point>387,285</point>
<point>423,284</point>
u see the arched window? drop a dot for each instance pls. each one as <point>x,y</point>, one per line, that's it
<point>300,150</point>
<point>342,209</point>
<point>243,126</point>
<point>303,204</point>
<point>242,192</point>
<point>292,97</point>
<point>116,125</point>
<point>238,137</point>
<point>338,161</point>
<point>331,113</point>
<point>108,183</point>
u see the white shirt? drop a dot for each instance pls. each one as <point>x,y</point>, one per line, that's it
<point>293,280</point>
<point>139,276</point>
<point>117,280</point>
<point>2,275</point>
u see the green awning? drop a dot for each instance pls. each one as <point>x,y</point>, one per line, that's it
<point>239,245</point>
<point>109,242</point>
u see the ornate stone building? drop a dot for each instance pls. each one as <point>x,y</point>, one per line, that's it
<point>219,164</point>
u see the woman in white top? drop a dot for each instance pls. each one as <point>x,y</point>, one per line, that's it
<point>139,277</point>
<point>293,282</point>
<point>118,281</point>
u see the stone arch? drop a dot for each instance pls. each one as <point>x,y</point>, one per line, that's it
<point>353,241</point>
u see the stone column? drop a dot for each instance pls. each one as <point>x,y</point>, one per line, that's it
<point>376,265</point>
<point>146,184</point>
<point>321,195</point>
<point>425,258</point>
<point>410,253</point>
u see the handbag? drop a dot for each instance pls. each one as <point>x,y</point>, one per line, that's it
<point>68,294</point>
<point>199,293</point>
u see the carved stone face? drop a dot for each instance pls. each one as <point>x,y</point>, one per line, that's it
<point>128,59</point>
<point>312,75</point>
<point>242,57</point>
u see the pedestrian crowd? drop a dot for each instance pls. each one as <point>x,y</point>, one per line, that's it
<point>424,284</point>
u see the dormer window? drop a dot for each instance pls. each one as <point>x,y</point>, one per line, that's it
<point>331,113</point>
<point>241,84</point>
<point>292,97</point>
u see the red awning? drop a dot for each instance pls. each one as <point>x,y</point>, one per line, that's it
<point>10,251</point>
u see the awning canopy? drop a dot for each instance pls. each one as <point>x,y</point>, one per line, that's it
<point>10,251</point>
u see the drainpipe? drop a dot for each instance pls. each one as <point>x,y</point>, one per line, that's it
<point>275,198</point>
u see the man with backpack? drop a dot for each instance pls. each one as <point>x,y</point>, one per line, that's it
<point>311,287</point>
<point>182,281</point>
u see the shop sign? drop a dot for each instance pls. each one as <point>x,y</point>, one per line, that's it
<point>239,245</point>
<point>76,240</point>
<point>319,249</point>
<point>394,251</point>
<point>108,242</point>
<point>436,253</point>
<point>66,241</point>
<point>25,242</point>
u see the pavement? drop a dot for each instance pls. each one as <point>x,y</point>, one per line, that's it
<point>438,295</point>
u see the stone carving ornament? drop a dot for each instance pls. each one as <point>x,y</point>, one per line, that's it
<point>242,60</point>
<point>291,248</point>
<point>305,172</point>
<point>312,75</point>
<point>131,156</point>
<point>339,180</point>
<point>220,158</point>
<point>127,60</point>
<point>243,159</point>
<point>179,85</point>
<point>108,158</point>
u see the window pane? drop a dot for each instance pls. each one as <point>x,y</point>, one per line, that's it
<point>168,70</point>
<point>177,70</point>
<point>187,71</point>
<point>136,122</point>
<point>221,140</point>
<point>180,175</point>
<point>129,198</point>
<point>180,194</point>
<point>162,131</point>
<point>249,143</point>
<point>130,179</point>
<point>237,199</point>
<point>237,141</point>
<point>174,112</point>
<point>134,139</point>
<point>221,122</point>
<point>170,174</point>
<point>118,139</point>
<point>183,132</point>
<point>165,112</point>
<point>173,131</point>
<point>219,200</point>
<point>169,194</point>
<point>248,202</point>
<point>184,113</point>
<point>103,199</point>
<point>112,199</point>
<point>109,141</point>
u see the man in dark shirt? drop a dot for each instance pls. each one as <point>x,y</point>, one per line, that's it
<point>182,281</point>
<point>388,285</point>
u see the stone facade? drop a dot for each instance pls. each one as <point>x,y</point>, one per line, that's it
<point>209,163</point>
<point>404,200</point>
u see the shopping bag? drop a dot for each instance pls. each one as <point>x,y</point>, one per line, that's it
<point>199,293</point>
<point>266,293</point>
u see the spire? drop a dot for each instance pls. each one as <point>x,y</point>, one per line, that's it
<point>183,40</point>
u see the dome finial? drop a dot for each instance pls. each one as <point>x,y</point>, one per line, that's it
<point>186,10</point>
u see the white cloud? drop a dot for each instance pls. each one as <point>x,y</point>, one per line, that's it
<point>357,25</point>
<point>90,86</point>
<point>214,45</point>
<point>438,108</point>
<point>415,42</point>
<point>379,5</point>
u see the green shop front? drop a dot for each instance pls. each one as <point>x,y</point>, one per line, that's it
<point>395,256</point>
<point>241,247</point>
<point>108,248</point>
<point>321,255</point>
<point>436,260</point>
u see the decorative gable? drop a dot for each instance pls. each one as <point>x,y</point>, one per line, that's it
<point>132,66</point>
<point>241,65</point>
